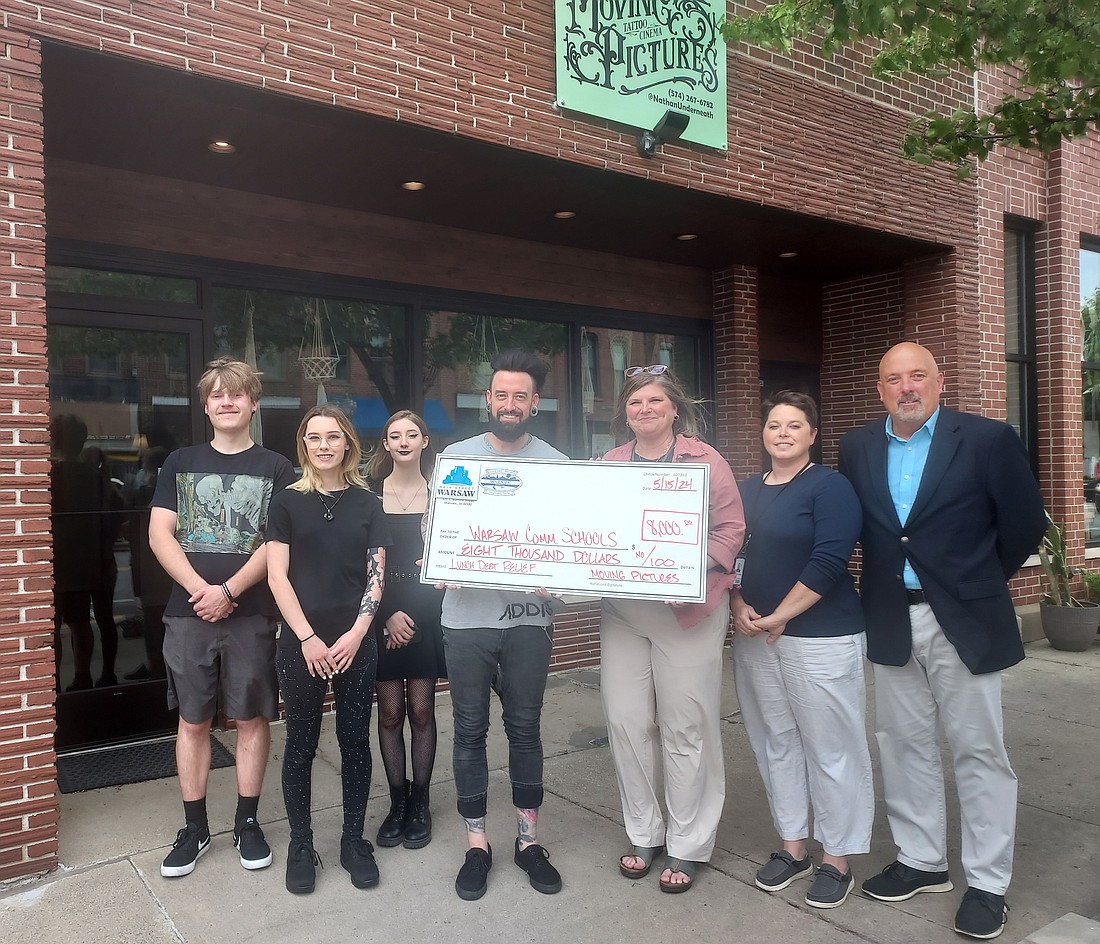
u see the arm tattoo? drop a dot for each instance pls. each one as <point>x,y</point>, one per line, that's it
<point>376,581</point>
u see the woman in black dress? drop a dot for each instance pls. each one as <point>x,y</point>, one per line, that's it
<point>326,556</point>
<point>410,649</point>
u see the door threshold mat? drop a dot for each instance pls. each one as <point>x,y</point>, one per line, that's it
<point>131,763</point>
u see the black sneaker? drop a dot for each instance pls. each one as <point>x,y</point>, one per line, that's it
<point>474,874</point>
<point>782,869</point>
<point>357,858</point>
<point>899,882</point>
<point>535,861</point>
<point>250,842</point>
<point>830,889</point>
<point>982,914</point>
<point>301,867</point>
<point>186,851</point>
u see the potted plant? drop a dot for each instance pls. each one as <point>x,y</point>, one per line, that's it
<point>1070,622</point>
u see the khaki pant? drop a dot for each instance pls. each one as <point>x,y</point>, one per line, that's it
<point>661,688</point>
<point>935,685</point>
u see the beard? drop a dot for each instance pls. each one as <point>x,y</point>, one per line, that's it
<point>508,432</point>
<point>911,411</point>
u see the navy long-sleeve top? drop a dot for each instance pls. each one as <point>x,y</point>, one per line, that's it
<point>803,531</point>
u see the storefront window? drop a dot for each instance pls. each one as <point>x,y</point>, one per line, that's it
<point>622,349</point>
<point>458,349</point>
<point>314,350</point>
<point>1020,366</point>
<point>1090,405</point>
<point>79,281</point>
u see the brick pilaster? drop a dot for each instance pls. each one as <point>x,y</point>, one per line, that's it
<point>28,799</point>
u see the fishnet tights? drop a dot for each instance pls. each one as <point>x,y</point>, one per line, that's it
<point>416,699</point>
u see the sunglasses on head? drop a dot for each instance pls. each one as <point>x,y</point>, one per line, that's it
<point>651,369</point>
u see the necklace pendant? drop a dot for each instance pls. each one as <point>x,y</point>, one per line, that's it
<point>328,516</point>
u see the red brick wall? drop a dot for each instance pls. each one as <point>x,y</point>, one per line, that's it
<point>28,795</point>
<point>861,319</point>
<point>807,134</point>
<point>737,360</point>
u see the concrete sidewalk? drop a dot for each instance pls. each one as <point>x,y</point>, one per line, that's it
<point>112,841</point>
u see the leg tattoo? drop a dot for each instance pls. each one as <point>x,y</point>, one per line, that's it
<point>527,822</point>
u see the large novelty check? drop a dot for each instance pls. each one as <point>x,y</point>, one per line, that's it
<point>616,529</point>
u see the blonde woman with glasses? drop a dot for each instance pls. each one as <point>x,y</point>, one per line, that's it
<point>661,663</point>
<point>326,560</point>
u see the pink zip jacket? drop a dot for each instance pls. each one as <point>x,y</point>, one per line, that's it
<point>727,521</point>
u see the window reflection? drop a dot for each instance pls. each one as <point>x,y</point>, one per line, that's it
<point>1090,396</point>
<point>120,400</point>
<point>623,349</point>
<point>459,348</point>
<point>314,350</point>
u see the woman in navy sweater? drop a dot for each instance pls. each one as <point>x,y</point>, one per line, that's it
<point>798,656</point>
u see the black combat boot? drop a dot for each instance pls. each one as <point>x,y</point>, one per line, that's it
<point>392,830</point>
<point>418,828</point>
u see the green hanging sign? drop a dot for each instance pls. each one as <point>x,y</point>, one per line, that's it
<point>631,61</point>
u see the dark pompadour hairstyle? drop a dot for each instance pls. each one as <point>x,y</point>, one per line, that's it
<point>517,360</point>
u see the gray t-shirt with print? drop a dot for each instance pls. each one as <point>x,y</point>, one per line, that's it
<point>477,608</point>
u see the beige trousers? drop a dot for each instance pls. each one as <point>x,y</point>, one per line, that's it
<point>661,688</point>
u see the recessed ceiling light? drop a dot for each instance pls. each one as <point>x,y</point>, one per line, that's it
<point>564,215</point>
<point>413,185</point>
<point>221,147</point>
<point>787,255</point>
<point>687,237</point>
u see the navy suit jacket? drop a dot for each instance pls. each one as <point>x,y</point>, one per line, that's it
<point>978,515</point>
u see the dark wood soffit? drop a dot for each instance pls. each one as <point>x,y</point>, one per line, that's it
<point>112,112</point>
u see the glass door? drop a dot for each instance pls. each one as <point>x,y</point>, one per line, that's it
<point>121,398</point>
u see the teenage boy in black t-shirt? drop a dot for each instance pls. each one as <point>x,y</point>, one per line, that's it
<point>206,528</point>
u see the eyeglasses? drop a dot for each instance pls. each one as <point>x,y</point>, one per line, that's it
<point>332,439</point>
<point>651,369</point>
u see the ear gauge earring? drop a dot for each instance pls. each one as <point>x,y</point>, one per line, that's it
<point>534,411</point>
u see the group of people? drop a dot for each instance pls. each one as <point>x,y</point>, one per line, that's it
<point>945,508</point>
<point>943,504</point>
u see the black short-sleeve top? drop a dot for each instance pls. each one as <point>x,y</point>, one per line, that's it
<point>328,559</point>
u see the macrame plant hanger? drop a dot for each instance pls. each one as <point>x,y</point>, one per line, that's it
<point>255,425</point>
<point>483,367</point>
<point>319,363</point>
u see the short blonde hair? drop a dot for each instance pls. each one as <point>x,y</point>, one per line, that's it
<point>310,480</point>
<point>232,375</point>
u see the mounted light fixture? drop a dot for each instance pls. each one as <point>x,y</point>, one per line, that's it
<point>221,147</point>
<point>669,128</point>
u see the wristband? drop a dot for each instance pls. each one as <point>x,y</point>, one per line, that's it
<point>308,638</point>
<point>229,596</point>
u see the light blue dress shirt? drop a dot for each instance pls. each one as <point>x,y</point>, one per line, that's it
<point>905,461</point>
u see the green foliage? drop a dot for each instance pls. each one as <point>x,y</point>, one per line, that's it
<point>1055,44</point>
<point>1052,554</point>
<point>1092,585</point>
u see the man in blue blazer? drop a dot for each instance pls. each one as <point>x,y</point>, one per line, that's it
<point>951,510</point>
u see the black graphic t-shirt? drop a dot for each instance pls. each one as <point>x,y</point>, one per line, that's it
<point>221,504</point>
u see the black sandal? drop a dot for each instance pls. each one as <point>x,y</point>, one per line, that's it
<point>646,853</point>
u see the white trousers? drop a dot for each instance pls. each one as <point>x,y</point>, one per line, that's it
<point>935,684</point>
<point>661,688</point>
<point>803,702</point>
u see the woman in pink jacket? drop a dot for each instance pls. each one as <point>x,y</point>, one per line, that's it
<point>661,663</point>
